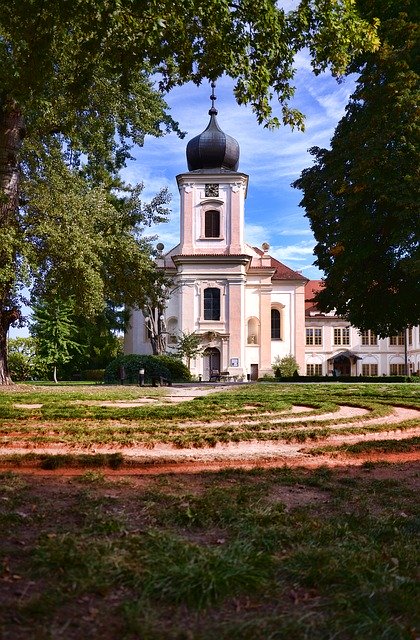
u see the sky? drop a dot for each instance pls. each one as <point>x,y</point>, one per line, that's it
<point>272,159</point>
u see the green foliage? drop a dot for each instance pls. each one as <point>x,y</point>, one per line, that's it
<point>189,345</point>
<point>191,41</point>
<point>53,329</point>
<point>179,372</point>
<point>21,355</point>
<point>77,94</point>
<point>285,367</point>
<point>362,195</point>
<point>92,375</point>
<point>102,339</point>
<point>24,360</point>
<point>154,366</point>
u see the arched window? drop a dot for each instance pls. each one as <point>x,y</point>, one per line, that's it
<point>275,324</point>
<point>212,224</point>
<point>211,303</point>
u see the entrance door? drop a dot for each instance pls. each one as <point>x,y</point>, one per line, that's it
<point>342,366</point>
<point>254,372</point>
<point>211,362</point>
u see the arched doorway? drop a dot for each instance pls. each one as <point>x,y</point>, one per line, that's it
<point>344,363</point>
<point>211,362</point>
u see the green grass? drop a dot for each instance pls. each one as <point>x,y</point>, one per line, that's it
<point>376,446</point>
<point>281,553</point>
<point>248,412</point>
<point>247,555</point>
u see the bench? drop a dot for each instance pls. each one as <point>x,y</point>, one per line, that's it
<point>225,376</point>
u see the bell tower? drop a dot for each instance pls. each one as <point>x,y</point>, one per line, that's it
<point>212,193</point>
<point>212,259</point>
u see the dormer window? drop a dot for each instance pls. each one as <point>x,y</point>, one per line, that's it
<point>212,224</point>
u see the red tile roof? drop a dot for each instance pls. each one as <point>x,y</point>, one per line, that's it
<point>282,272</point>
<point>311,288</point>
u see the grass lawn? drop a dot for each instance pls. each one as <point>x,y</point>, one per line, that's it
<point>264,554</point>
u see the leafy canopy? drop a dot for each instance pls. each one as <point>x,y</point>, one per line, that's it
<point>61,60</point>
<point>81,82</point>
<point>361,196</point>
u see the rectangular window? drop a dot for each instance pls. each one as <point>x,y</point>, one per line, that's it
<point>314,369</point>
<point>397,340</point>
<point>313,336</point>
<point>342,336</point>
<point>369,369</point>
<point>410,336</point>
<point>211,303</point>
<point>369,338</point>
<point>212,224</point>
<point>397,369</point>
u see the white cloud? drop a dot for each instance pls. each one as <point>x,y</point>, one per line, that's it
<point>298,252</point>
<point>256,234</point>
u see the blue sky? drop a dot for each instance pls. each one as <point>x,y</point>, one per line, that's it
<point>272,159</point>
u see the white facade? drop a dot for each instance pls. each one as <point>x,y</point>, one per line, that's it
<point>247,306</point>
<point>333,344</point>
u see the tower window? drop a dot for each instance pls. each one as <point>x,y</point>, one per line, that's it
<point>211,303</point>
<point>275,324</point>
<point>212,224</point>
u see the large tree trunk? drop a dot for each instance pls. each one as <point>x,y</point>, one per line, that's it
<point>4,369</point>
<point>7,316</point>
<point>12,132</point>
<point>158,343</point>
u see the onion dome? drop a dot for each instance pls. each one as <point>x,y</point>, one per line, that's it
<point>213,149</point>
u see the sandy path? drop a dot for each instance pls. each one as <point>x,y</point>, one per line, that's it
<point>162,458</point>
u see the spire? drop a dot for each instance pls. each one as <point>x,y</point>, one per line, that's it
<point>213,110</point>
<point>213,149</point>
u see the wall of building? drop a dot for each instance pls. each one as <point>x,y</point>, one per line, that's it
<point>386,358</point>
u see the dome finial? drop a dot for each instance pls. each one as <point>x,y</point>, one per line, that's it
<point>213,110</point>
<point>212,149</point>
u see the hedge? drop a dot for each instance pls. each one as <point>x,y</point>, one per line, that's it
<point>377,379</point>
<point>155,367</point>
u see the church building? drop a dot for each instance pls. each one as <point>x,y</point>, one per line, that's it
<point>247,306</point>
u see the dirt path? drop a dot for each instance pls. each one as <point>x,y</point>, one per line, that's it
<point>167,458</point>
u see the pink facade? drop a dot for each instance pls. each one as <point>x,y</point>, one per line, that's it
<point>247,307</point>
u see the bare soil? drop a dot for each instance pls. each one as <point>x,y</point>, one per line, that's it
<point>166,458</point>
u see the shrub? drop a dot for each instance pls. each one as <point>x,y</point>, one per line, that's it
<point>285,367</point>
<point>179,371</point>
<point>96,375</point>
<point>154,367</point>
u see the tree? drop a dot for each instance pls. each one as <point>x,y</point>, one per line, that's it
<point>22,357</point>
<point>102,338</point>
<point>362,195</point>
<point>156,299</point>
<point>189,345</point>
<point>54,330</point>
<point>76,94</point>
<point>285,367</point>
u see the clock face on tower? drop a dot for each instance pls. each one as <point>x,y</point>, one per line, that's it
<point>211,191</point>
